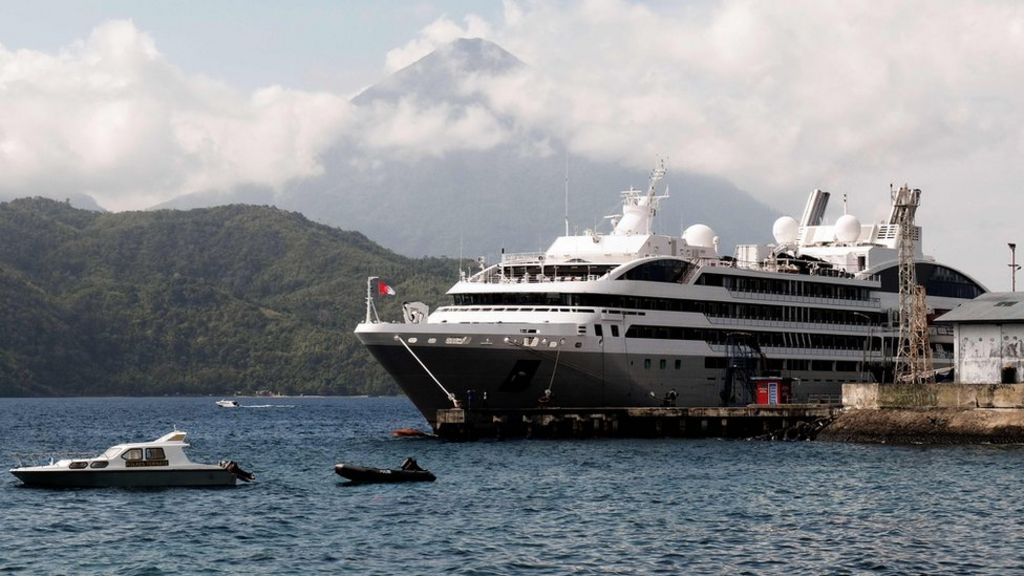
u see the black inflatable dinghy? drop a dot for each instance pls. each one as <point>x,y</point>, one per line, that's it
<point>409,472</point>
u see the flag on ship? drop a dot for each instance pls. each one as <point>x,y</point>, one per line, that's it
<point>383,289</point>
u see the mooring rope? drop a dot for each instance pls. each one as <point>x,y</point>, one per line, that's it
<point>450,396</point>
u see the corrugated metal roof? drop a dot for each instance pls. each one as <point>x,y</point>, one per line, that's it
<point>994,307</point>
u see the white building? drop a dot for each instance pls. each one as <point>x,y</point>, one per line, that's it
<point>989,338</point>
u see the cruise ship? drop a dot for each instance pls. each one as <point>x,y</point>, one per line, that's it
<point>635,318</point>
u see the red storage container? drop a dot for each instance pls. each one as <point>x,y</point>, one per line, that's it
<point>772,391</point>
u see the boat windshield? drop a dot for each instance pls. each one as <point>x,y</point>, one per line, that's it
<point>111,453</point>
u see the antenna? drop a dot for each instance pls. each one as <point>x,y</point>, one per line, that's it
<point>1013,266</point>
<point>566,191</point>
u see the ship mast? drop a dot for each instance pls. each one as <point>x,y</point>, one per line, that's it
<point>652,197</point>
<point>567,192</point>
<point>371,310</point>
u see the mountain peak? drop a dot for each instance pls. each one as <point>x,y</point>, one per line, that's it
<point>476,55</point>
<point>436,76</point>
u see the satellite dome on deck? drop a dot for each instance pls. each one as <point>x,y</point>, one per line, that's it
<point>699,235</point>
<point>785,230</point>
<point>847,228</point>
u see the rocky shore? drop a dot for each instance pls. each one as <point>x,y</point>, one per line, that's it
<point>927,426</point>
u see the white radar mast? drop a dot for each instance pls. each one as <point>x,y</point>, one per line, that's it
<point>639,208</point>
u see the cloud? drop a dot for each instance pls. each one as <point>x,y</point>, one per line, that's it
<point>783,97</point>
<point>772,95</point>
<point>413,130</point>
<point>777,97</point>
<point>109,116</point>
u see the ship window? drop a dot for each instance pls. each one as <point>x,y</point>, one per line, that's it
<point>598,331</point>
<point>647,363</point>
<point>615,330</point>
<point>937,280</point>
<point>679,364</point>
<point>661,364</point>
<point>98,464</point>
<point>133,454</point>
<point>714,362</point>
<point>658,271</point>
<point>823,365</point>
<point>78,465</point>
<point>711,280</point>
<point>155,454</point>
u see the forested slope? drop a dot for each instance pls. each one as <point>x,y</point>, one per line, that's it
<point>207,301</point>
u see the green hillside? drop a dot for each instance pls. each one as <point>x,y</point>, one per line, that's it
<point>209,301</point>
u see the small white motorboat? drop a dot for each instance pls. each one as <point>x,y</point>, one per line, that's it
<point>160,463</point>
<point>227,403</point>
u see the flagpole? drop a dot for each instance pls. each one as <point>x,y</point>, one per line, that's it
<point>371,312</point>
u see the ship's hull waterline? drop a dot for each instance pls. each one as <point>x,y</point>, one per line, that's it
<point>207,477</point>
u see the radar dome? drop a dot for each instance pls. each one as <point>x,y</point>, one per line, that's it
<point>785,230</point>
<point>699,235</point>
<point>847,228</point>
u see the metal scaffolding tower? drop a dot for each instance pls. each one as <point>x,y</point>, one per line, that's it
<point>913,355</point>
<point>744,361</point>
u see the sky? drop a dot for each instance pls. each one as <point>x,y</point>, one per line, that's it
<point>138,102</point>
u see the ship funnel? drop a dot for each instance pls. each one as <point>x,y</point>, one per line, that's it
<point>814,211</point>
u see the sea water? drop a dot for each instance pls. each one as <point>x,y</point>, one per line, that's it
<point>617,506</point>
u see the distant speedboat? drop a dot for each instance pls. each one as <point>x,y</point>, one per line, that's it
<point>161,463</point>
<point>227,403</point>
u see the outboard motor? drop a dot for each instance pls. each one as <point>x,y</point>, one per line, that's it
<point>234,468</point>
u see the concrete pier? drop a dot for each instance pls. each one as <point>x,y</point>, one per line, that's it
<point>793,421</point>
<point>947,413</point>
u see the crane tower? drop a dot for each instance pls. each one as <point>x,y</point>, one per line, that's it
<point>913,356</point>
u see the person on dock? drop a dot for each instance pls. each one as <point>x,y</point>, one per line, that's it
<point>670,398</point>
